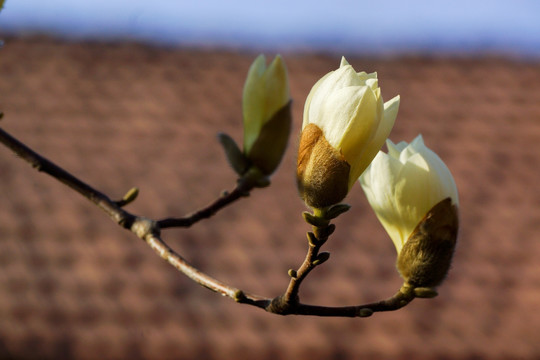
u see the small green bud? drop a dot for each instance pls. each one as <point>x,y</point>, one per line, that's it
<point>336,210</point>
<point>425,292</point>
<point>365,312</point>
<point>321,258</point>
<point>131,195</point>
<point>314,220</point>
<point>312,239</point>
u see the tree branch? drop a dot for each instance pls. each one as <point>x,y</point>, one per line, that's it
<point>146,229</point>
<point>149,231</point>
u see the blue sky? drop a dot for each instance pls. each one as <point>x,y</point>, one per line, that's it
<point>508,27</point>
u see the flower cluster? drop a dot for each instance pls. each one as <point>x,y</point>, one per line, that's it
<point>346,122</point>
<point>410,189</point>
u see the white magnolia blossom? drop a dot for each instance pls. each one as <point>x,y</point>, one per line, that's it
<point>403,185</point>
<point>348,107</point>
<point>266,91</point>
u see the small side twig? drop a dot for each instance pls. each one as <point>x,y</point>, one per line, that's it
<point>322,229</point>
<point>242,190</point>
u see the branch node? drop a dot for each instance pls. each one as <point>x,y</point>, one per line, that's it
<point>324,232</point>
<point>282,306</point>
<point>142,227</point>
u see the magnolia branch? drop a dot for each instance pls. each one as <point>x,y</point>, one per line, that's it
<point>150,231</point>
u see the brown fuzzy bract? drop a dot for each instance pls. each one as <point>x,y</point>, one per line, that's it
<point>426,256</point>
<point>322,171</point>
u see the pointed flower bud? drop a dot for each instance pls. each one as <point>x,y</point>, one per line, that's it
<point>266,112</point>
<point>415,198</point>
<point>345,124</point>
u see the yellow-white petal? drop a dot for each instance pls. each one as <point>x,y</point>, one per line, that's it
<point>310,96</point>
<point>266,90</point>
<point>370,150</point>
<point>403,185</point>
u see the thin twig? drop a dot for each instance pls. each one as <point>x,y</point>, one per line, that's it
<point>242,189</point>
<point>403,297</point>
<point>289,302</point>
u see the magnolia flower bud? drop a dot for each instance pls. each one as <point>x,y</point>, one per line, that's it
<point>322,172</point>
<point>415,198</point>
<point>345,124</point>
<point>267,115</point>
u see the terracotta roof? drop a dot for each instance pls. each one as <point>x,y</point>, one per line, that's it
<point>74,285</point>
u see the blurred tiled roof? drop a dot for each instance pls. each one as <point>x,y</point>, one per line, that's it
<point>73,285</point>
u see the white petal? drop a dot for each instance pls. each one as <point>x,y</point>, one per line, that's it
<point>372,147</point>
<point>378,182</point>
<point>355,107</point>
<point>364,77</point>
<point>393,149</point>
<point>391,108</point>
<point>373,84</point>
<point>266,90</point>
<point>310,96</point>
